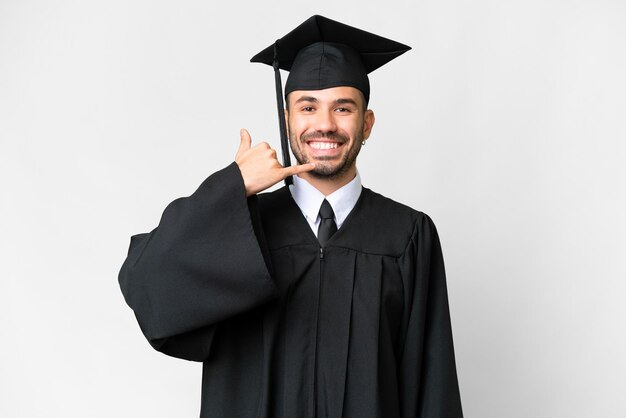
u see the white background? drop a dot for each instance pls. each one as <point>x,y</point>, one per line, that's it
<point>505,123</point>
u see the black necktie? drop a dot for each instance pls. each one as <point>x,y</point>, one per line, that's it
<point>327,223</point>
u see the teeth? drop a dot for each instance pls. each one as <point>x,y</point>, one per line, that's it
<point>323,145</point>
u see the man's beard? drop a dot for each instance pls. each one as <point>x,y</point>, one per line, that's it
<point>329,171</point>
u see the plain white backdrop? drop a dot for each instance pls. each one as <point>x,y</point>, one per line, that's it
<point>505,123</point>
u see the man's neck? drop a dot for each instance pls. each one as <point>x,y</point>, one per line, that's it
<point>326,185</point>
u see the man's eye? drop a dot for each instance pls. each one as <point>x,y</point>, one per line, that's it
<point>307,109</point>
<point>342,109</point>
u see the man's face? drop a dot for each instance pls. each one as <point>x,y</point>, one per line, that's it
<point>326,127</point>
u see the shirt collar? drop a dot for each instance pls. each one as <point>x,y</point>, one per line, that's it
<point>309,199</point>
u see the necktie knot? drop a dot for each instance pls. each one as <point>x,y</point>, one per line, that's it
<point>326,211</point>
<point>327,225</point>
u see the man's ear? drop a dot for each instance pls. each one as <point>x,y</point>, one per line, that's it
<point>368,123</point>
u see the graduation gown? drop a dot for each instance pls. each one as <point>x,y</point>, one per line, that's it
<point>284,328</point>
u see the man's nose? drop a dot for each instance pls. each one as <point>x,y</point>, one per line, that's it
<point>325,121</point>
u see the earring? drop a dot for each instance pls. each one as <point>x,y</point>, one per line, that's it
<point>363,142</point>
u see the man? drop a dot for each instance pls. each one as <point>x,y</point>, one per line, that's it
<point>321,299</point>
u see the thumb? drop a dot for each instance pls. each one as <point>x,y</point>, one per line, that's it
<point>246,141</point>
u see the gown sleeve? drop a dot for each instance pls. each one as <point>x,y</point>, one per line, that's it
<point>428,371</point>
<point>201,265</point>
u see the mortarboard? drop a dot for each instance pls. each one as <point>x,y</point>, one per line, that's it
<point>322,53</point>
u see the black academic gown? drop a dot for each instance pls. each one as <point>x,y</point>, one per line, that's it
<point>360,328</point>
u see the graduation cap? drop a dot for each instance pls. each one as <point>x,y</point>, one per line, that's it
<point>322,53</point>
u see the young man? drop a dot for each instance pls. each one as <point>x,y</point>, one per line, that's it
<point>321,299</point>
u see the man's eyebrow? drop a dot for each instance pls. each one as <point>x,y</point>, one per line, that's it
<point>341,101</point>
<point>346,101</point>
<point>307,99</point>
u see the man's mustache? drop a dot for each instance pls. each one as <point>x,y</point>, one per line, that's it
<point>324,135</point>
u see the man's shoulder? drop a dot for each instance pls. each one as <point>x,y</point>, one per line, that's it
<point>387,202</point>
<point>391,211</point>
<point>274,200</point>
<point>384,226</point>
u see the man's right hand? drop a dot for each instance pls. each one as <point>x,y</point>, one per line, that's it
<point>259,166</point>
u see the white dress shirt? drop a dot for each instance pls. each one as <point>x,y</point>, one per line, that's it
<point>309,200</point>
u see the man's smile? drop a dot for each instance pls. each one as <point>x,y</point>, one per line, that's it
<point>323,145</point>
